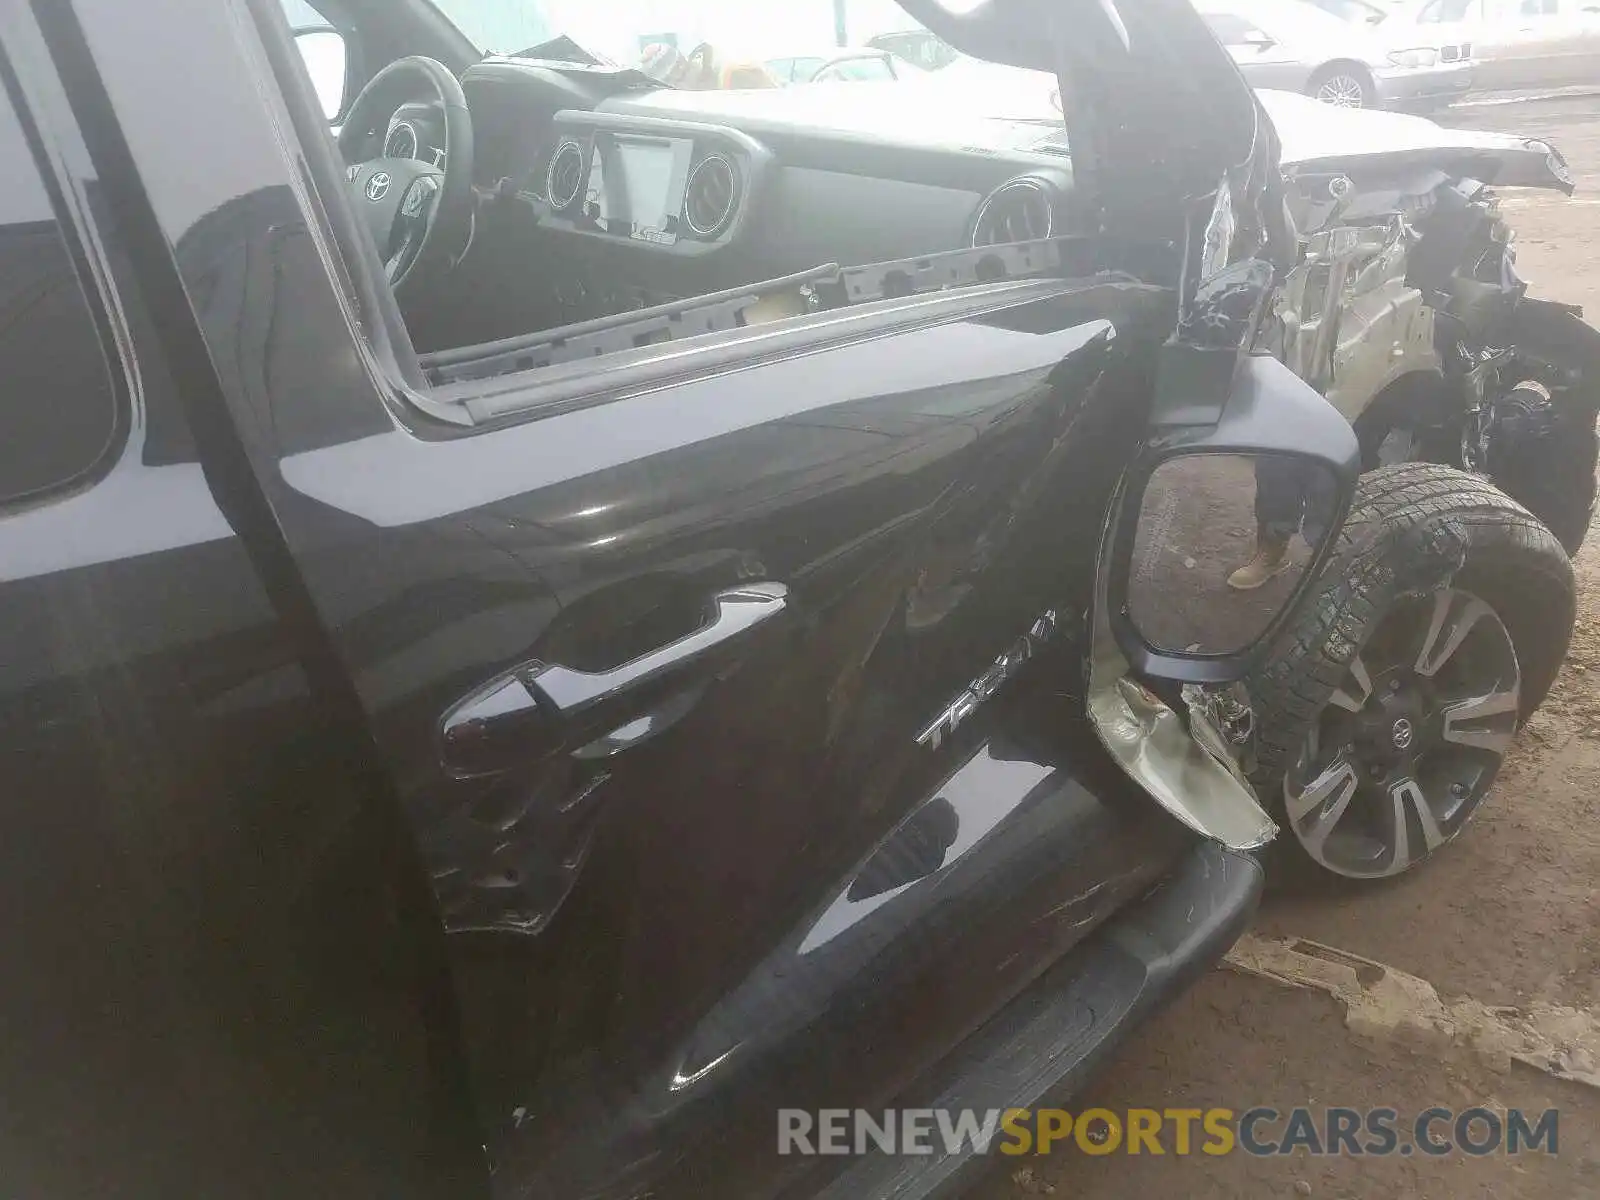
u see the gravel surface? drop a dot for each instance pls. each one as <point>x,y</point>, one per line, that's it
<point>1509,915</point>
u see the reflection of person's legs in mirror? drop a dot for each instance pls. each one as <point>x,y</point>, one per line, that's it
<point>1280,508</point>
<point>1320,493</point>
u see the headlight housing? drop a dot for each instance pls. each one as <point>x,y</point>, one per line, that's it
<point>1421,57</point>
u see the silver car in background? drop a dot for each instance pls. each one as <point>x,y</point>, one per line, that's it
<point>920,46</point>
<point>1355,60</point>
<point>1517,43</point>
<point>836,65</point>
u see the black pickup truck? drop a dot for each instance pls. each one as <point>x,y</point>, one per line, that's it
<point>542,624</point>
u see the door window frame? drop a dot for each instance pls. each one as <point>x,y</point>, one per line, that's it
<point>463,407</point>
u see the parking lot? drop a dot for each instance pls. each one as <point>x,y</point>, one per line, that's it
<point>1510,916</point>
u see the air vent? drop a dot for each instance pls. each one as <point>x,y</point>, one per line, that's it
<point>1018,211</point>
<point>402,141</point>
<point>564,180</point>
<point>712,194</point>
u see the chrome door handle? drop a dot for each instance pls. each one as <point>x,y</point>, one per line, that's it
<point>734,612</point>
<point>540,708</point>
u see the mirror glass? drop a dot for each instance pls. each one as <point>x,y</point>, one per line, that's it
<point>1223,544</point>
<point>324,54</point>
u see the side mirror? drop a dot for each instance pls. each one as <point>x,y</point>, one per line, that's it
<point>323,50</point>
<point>1221,528</point>
<point>1261,41</point>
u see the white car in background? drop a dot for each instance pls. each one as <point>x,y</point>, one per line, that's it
<point>1356,12</point>
<point>920,46</point>
<point>839,65</point>
<point>1516,43</point>
<point>1355,60</point>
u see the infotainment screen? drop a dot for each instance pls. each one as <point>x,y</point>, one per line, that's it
<point>636,185</point>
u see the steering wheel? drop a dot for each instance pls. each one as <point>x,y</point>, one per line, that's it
<point>420,215</point>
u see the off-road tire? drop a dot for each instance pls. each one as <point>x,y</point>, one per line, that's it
<point>1412,529</point>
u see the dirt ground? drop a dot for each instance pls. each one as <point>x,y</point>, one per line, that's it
<point>1509,915</point>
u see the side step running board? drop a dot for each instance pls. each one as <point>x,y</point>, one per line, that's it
<point>1040,1049</point>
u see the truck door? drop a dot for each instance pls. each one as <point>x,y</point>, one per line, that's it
<point>660,674</point>
<point>222,970</point>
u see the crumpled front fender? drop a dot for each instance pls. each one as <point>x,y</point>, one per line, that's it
<point>1201,788</point>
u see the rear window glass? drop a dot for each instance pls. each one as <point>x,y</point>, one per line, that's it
<point>58,409</point>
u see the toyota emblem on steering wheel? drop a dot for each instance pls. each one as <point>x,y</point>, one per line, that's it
<point>378,186</point>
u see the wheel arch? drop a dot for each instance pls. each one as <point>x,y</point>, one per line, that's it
<point>1422,390</point>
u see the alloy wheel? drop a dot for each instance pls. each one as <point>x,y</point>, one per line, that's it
<point>1407,748</point>
<point>1342,90</point>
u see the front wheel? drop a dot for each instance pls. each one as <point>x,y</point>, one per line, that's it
<point>1344,85</point>
<point>1388,706</point>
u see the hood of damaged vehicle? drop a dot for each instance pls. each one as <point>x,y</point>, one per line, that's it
<point>1013,112</point>
<point>1321,137</point>
<point>918,113</point>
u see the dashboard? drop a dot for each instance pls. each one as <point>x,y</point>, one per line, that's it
<point>678,187</point>
<point>690,172</point>
<point>612,196</point>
